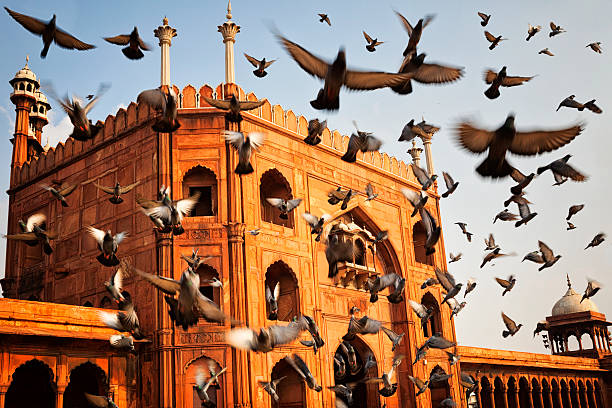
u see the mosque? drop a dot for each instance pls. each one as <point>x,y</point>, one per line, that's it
<point>54,347</point>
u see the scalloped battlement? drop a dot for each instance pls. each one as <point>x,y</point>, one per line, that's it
<point>190,98</point>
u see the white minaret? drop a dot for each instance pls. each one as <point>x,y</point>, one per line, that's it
<point>428,155</point>
<point>415,152</point>
<point>228,30</point>
<point>165,33</point>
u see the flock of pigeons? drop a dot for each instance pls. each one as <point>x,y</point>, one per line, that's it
<point>187,305</point>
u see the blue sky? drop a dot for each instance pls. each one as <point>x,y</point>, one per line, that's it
<point>455,37</point>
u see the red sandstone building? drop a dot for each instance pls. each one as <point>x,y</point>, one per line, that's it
<point>50,336</point>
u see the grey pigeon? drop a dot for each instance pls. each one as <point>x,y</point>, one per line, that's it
<point>194,261</point>
<point>165,100</point>
<point>422,177</point>
<point>540,327</point>
<point>50,33</point>
<point>272,301</point>
<point>117,191</point>
<point>591,289</point>
<point>421,311</point>
<point>429,282</point>
<point>505,215</point>
<point>316,224</point>
<point>266,339</point>
<point>491,256</point>
<point>455,306</point>
<point>507,284</point>
<point>339,251</point>
<point>244,147</point>
<point>416,198</point>
<point>62,192</point>
<point>493,39</point>
<point>447,280</point>
<point>34,220</point>
<point>424,73</point>
<point>284,206</point>
<point>315,131</point>
<point>573,210</point>
<point>260,65</point>
<point>501,79</point>
<point>597,239</point>
<point>561,169</point>
<point>511,326</point>
<point>203,384</point>
<point>518,199</point>
<point>414,33</point>
<point>432,231</point>
<point>490,243</point>
<point>464,230</point>
<point>455,258</point>
<point>364,325</point>
<point>107,244</point>
<point>522,180</point>
<point>371,45</point>
<point>395,338</point>
<point>419,384</point>
<point>438,375</point>
<point>393,281</point>
<point>134,43</point>
<point>595,46</point>
<point>590,105</point>
<point>547,255</point>
<point>369,192</point>
<point>447,403</point>
<point>451,185</point>
<point>343,391</point>
<point>254,232</point>
<point>485,18</point>
<point>526,214</point>
<point>302,369</point>
<point>170,213</point>
<point>361,142</point>
<point>34,234</point>
<point>470,286</point>
<point>438,341</point>
<point>532,30</point>
<point>271,387</point>
<point>121,342</point>
<point>114,285</point>
<point>452,358</point>
<point>388,388</point>
<point>555,30</point>
<point>233,107</point>
<point>125,320</point>
<point>534,256</point>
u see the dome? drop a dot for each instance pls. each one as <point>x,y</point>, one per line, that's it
<point>41,98</point>
<point>570,303</point>
<point>25,73</point>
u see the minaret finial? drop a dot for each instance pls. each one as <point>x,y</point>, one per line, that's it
<point>27,60</point>
<point>165,21</point>
<point>569,283</point>
<point>229,10</point>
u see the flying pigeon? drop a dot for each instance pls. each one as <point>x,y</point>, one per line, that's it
<point>316,224</point>
<point>511,326</point>
<point>162,99</point>
<point>170,213</point>
<point>415,198</point>
<point>463,227</point>
<point>493,39</point>
<point>422,177</point>
<point>372,43</point>
<point>598,239</point>
<point>470,286</point>
<point>99,401</point>
<point>555,30</point>
<point>302,369</point>
<point>547,255</point>
<point>532,30</point>
<point>284,206</point>
<point>573,210</point>
<point>455,258</point>
<point>271,387</point>
<point>451,185</point>
<point>261,66</point>
<point>501,79</point>
<point>134,44</point>
<point>561,169</point>
<point>595,46</point>
<point>485,18</point>
<point>117,191</point>
<point>324,18</point>
<point>570,226</point>
<point>491,256</point>
<point>339,251</point>
<point>35,234</point>
<point>272,301</point>
<point>369,192</point>
<point>266,339</point>
<point>315,131</point>
<point>546,51</point>
<point>421,311</point>
<point>107,244</point>
<point>490,243</point>
<point>432,231</point>
<point>244,147</point>
<point>233,107</point>
<point>393,281</point>
<point>362,141</point>
<point>591,289</point>
<point>522,180</point>
<point>447,280</point>
<point>507,284</point>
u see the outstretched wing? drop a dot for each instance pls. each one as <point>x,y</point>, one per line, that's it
<point>252,60</point>
<point>508,322</point>
<point>65,40</point>
<point>36,219</point>
<point>473,139</point>
<point>217,103</point>
<point>31,24</point>
<point>128,188</point>
<point>97,234</point>
<point>236,139</point>
<point>166,285</point>
<point>108,190</point>
<point>250,105</point>
<point>489,36</point>
<point>515,80</point>
<point>405,23</point>
<point>437,74</point>
<point>123,39</point>
<point>541,141</point>
<point>367,37</point>
<point>308,62</point>
<point>368,80</point>
<point>153,97</point>
<point>547,253</point>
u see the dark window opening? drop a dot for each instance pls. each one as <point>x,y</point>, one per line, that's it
<point>274,185</point>
<point>204,206</point>
<point>203,181</point>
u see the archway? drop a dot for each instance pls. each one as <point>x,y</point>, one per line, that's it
<point>572,343</point>
<point>512,393</point>
<point>419,236</point>
<point>194,367</point>
<point>206,273</point>
<point>203,181</point>
<point>274,185</point>
<point>573,393</point>
<point>590,394</point>
<point>434,324</point>
<point>439,390</point>
<point>582,394</point>
<point>565,397</point>
<point>486,389</point>
<point>499,395</point>
<point>537,390</point>
<point>587,341</point>
<point>291,390</point>
<point>31,375</point>
<point>523,393</point>
<point>365,395</point>
<point>85,378</point>
<point>598,397</point>
<point>556,393</point>
<point>288,299</point>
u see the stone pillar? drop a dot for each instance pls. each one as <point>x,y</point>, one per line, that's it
<point>428,155</point>
<point>504,391</point>
<point>530,397</point>
<point>22,128</point>
<point>415,152</point>
<point>228,30</point>
<point>165,33</point>
<point>592,399</point>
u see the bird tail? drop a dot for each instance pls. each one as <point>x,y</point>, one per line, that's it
<point>178,229</point>
<point>112,260</point>
<point>244,168</point>
<point>469,236</point>
<point>404,88</point>
<point>260,74</point>
<point>323,103</point>
<point>489,168</point>
<point>542,170</point>
<point>43,53</point>
<point>505,333</point>
<point>47,248</point>
<point>350,156</point>
<point>116,200</point>
<point>373,297</point>
<point>492,92</point>
<point>131,53</point>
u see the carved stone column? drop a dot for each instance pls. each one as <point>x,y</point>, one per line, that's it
<point>228,30</point>
<point>428,154</point>
<point>165,33</point>
<point>491,396</point>
<point>504,390</point>
<point>415,152</point>
<point>164,340</point>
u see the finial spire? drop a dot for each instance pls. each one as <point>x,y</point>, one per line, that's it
<point>228,30</point>
<point>27,60</point>
<point>229,10</point>
<point>165,21</point>
<point>569,283</point>
<point>165,33</point>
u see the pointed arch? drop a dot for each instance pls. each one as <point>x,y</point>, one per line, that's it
<point>565,397</point>
<point>288,299</point>
<point>105,303</point>
<point>291,390</point>
<point>207,273</point>
<point>419,236</point>
<point>274,185</point>
<point>364,395</point>
<point>215,392</point>
<point>499,394</point>
<point>486,389</point>
<point>536,391</point>
<point>439,390</point>
<point>434,324</point>
<point>31,375</point>
<point>512,392</point>
<point>85,378</point>
<point>201,180</point>
<point>524,391</point>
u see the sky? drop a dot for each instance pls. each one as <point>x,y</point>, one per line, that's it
<point>455,37</point>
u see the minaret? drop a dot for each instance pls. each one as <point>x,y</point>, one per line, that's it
<point>38,115</point>
<point>427,145</point>
<point>25,84</point>
<point>415,152</point>
<point>165,33</point>
<point>228,30</point>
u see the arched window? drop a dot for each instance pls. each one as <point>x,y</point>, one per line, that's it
<point>85,378</point>
<point>360,256</point>
<point>41,109</point>
<point>32,375</point>
<point>419,236</point>
<point>556,396</point>
<point>290,390</point>
<point>203,181</point>
<point>206,273</point>
<point>499,395</point>
<point>587,341</point>
<point>485,391</point>
<point>274,185</point>
<point>512,393</point>
<point>523,394</point>
<point>354,354</point>
<point>440,390</point>
<point>215,393</point>
<point>547,399</point>
<point>33,109</point>
<point>288,299</point>
<point>22,86</point>
<point>88,304</point>
<point>565,394</point>
<point>434,324</point>
<point>536,390</point>
<point>572,343</point>
<point>29,87</point>
<point>105,303</point>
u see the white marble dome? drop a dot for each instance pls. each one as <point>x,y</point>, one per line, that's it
<point>570,303</point>
<point>25,73</point>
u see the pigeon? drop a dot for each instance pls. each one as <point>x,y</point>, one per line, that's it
<point>591,289</point>
<point>315,131</point>
<point>447,403</point>
<point>425,73</point>
<point>134,44</point>
<point>447,280</point>
<point>410,131</point>
<point>505,216</point>
<point>451,185</point>
<point>171,213</point>
<point>429,282</point>
<point>302,369</point>
<point>573,210</point>
<point>336,75</point>
<point>254,232</point>
<point>522,180</point>
<point>540,327</point>
<point>420,310</point>
<point>313,329</point>
<point>339,196</point>
<point>561,169</point>
<point>595,46</point>
<point>121,342</point>
<point>372,44</point>
<point>339,365</point>
<point>547,255</point>
<point>534,256</point>
<point>455,306</point>
<point>455,258</point>
<point>491,256</point>
<point>364,325</point>
<point>202,385</point>
<point>265,339</point>
<point>271,387</point>
<point>163,99</point>
<point>343,392</point>
<point>507,284</point>
<point>117,191</point>
<point>272,301</point>
<point>244,147</point>
<point>346,349</point>
<point>422,177</point>
<point>33,220</point>
<point>415,198</point>
<point>99,401</point>
<point>570,102</point>
<point>432,231</point>
<point>35,234</point>
<point>467,382</point>
<point>590,105</point>
<point>393,281</point>
<point>260,65</point>
<point>570,226</point>
<point>339,251</point>
<point>284,206</point>
<point>438,341</point>
<point>506,138</point>
<point>114,285</point>
<point>510,325</point>
<point>532,30</point>
<point>421,353</point>
<point>369,192</point>
<point>438,375</point>
<point>518,199</point>
<point>61,193</point>
<point>107,244</point>
<point>233,107</point>
<point>50,32</point>
<point>597,239</point>
<point>362,141</point>
<point>324,18</point>
<point>125,320</point>
<point>555,30</point>
<point>191,303</point>
<point>526,215</point>
<point>463,227</point>
<point>388,388</point>
<point>493,39</point>
<point>485,18</point>
<point>419,384</point>
<point>490,243</point>
<point>501,79</point>
<point>469,286</point>
<point>414,33</point>
<point>83,128</point>
<point>213,282</point>
<point>194,261</point>
<point>163,196</point>
<point>546,51</point>
<point>316,224</point>
<point>369,363</point>
<point>452,358</point>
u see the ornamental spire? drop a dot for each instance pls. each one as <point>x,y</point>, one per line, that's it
<point>228,30</point>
